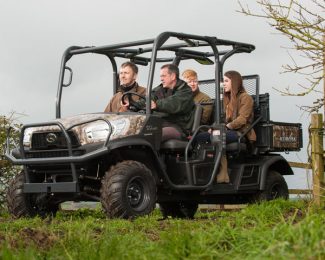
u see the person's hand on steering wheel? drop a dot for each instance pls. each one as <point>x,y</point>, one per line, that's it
<point>128,103</point>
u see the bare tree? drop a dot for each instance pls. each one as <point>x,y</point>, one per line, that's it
<point>304,24</point>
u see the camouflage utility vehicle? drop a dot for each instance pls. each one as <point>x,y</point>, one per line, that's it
<point>118,159</point>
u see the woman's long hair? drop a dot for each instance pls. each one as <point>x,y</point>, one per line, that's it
<point>230,98</point>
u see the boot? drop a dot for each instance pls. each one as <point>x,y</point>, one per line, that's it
<point>223,176</point>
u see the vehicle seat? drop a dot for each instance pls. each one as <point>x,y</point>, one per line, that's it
<point>174,145</point>
<point>236,147</point>
<point>197,117</point>
<point>180,145</point>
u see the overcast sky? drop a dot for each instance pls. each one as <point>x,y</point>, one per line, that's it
<point>35,33</point>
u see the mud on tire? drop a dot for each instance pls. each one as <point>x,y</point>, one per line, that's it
<point>128,190</point>
<point>22,204</point>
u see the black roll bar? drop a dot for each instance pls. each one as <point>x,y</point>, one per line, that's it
<point>133,50</point>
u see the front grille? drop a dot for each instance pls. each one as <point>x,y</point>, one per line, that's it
<point>53,153</point>
<point>53,139</point>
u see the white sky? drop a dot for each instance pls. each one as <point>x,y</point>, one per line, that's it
<point>35,33</point>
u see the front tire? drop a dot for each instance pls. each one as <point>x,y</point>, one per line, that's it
<point>275,187</point>
<point>22,204</point>
<point>128,190</point>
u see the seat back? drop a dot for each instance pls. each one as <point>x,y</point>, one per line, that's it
<point>197,117</point>
<point>180,145</point>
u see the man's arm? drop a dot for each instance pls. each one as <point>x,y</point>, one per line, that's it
<point>180,102</point>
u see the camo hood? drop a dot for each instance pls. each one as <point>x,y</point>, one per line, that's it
<point>91,128</point>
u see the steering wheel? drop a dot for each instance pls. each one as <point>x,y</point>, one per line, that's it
<point>133,105</point>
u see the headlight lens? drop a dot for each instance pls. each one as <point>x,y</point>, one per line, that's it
<point>97,131</point>
<point>27,137</point>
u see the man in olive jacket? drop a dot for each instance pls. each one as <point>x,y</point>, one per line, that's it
<point>191,78</point>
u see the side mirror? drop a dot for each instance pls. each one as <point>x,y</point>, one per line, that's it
<point>204,61</point>
<point>70,76</point>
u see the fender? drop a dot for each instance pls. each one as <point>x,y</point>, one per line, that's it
<point>130,141</point>
<point>138,142</point>
<point>273,162</point>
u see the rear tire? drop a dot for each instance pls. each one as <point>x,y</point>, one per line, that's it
<point>22,204</point>
<point>275,187</point>
<point>128,190</point>
<point>179,209</point>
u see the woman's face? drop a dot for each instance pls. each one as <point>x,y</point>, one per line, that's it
<point>226,84</point>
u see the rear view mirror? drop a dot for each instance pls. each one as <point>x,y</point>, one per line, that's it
<point>70,76</point>
<point>204,61</point>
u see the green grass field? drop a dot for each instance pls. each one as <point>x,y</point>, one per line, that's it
<point>271,230</point>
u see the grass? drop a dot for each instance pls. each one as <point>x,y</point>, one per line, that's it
<point>271,230</point>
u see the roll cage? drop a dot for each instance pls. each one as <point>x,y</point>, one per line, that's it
<point>206,50</point>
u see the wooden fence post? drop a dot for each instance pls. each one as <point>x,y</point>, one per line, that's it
<point>317,159</point>
<point>324,78</point>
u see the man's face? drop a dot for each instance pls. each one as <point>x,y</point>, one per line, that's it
<point>127,76</point>
<point>167,80</point>
<point>192,82</point>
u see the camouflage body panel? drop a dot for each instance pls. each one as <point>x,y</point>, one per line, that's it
<point>122,125</point>
<point>286,137</point>
<point>278,137</point>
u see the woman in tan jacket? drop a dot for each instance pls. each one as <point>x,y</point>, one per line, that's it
<point>239,107</point>
<point>239,112</point>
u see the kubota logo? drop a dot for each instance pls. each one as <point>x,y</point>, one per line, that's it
<point>51,138</point>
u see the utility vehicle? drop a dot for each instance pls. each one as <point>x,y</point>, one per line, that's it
<point>118,159</point>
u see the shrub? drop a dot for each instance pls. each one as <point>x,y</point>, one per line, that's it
<point>7,170</point>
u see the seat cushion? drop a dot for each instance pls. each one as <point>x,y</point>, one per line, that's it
<point>174,145</point>
<point>236,147</point>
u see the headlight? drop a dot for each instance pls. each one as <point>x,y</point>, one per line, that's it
<point>97,131</point>
<point>27,137</point>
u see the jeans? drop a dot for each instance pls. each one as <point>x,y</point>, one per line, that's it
<point>231,136</point>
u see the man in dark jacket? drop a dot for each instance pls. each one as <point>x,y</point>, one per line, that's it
<point>173,97</point>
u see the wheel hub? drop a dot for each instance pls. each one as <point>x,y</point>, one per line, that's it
<point>134,193</point>
<point>275,191</point>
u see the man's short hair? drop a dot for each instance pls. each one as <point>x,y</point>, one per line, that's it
<point>171,69</point>
<point>131,65</point>
<point>189,74</point>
